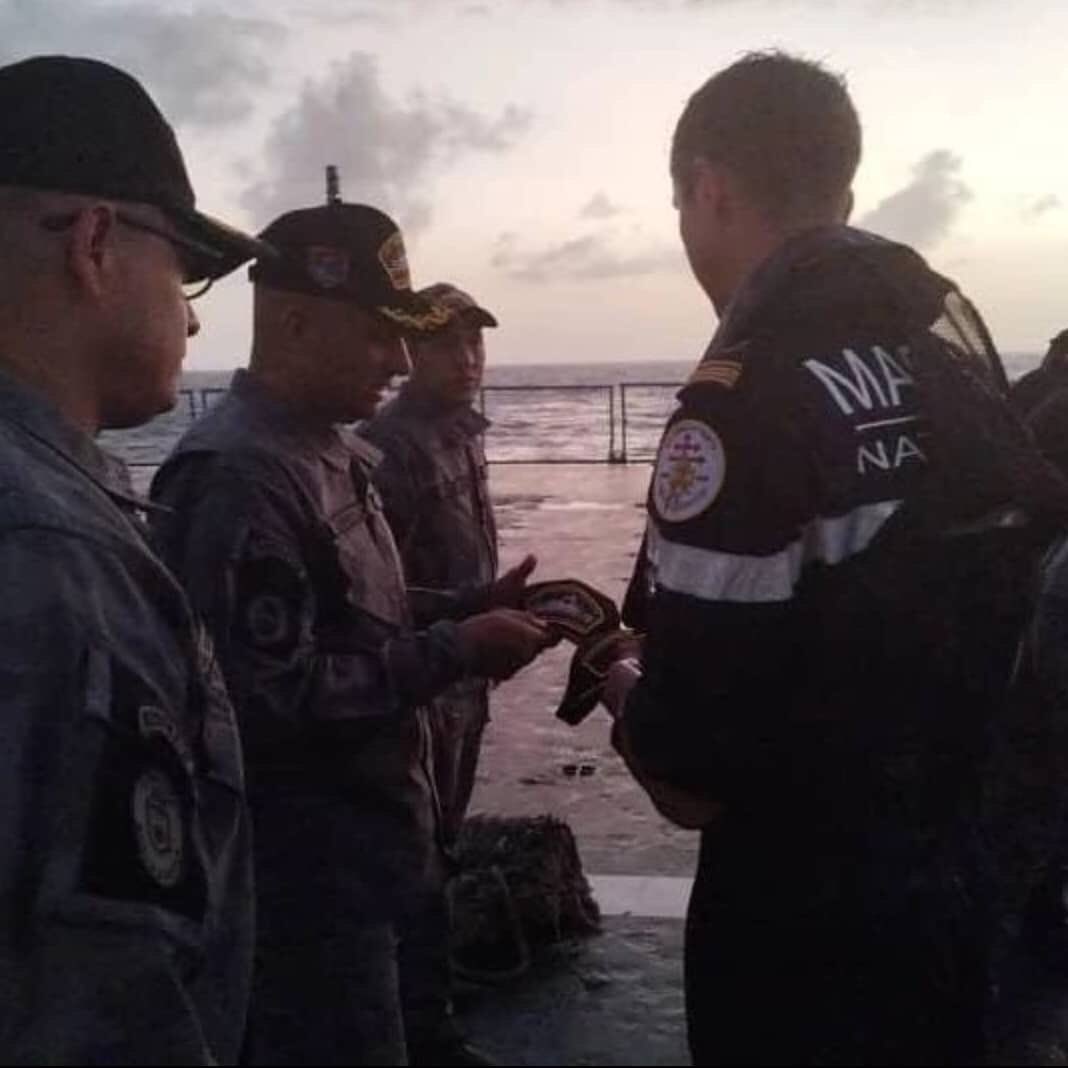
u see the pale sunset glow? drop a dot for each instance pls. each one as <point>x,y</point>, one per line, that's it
<point>522,144</point>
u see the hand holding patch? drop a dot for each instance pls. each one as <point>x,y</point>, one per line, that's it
<point>589,671</point>
<point>497,644</point>
<point>590,620</point>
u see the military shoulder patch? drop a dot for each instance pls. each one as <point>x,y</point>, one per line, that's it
<point>573,608</point>
<point>690,468</point>
<point>268,602</point>
<point>140,843</point>
<point>159,826</point>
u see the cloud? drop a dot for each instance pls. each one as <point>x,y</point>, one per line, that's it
<point>592,257</point>
<point>343,14</point>
<point>1040,206</point>
<point>923,212</point>
<point>201,66</point>
<point>657,5</point>
<point>386,152</point>
<point>389,14</point>
<point>599,207</point>
<point>397,10</point>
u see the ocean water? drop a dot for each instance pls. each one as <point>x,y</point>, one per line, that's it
<point>541,413</point>
<point>559,413</point>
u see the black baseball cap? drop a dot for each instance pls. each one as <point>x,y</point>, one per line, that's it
<point>349,252</point>
<point>73,125</point>
<point>462,305</point>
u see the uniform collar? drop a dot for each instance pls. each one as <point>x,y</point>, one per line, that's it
<point>829,271</point>
<point>413,401</point>
<point>334,445</point>
<point>368,455</point>
<point>752,294</point>
<point>35,414</point>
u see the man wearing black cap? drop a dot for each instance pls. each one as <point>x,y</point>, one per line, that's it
<point>280,538</point>
<point>125,873</point>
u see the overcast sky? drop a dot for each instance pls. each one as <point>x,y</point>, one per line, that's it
<point>523,144</point>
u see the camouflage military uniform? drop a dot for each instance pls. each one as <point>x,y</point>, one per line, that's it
<point>279,536</point>
<point>433,480</point>
<point>125,870</point>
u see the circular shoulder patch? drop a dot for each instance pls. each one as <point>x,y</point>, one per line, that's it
<point>690,468</point>
<point>157,816</point>
<point>268,618</point>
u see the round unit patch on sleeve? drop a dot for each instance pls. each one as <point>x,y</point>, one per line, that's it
<point>268,618</point>
<point>160,831</point>
<point>690,468</point>
<point>267,613</point>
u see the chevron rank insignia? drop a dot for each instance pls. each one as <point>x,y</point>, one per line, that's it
<point>717,372</point>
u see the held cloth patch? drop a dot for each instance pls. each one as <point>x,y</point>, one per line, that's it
<point>590,620</point>
<point>572,608</point>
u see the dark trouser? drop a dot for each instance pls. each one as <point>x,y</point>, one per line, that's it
<point>373,993</point>
<point>780,977</point>
<point>333,1001</point>
<point>335,895</point>
<point>457,721</point>
<point>425,976</point>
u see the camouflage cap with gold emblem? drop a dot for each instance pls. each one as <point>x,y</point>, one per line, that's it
<point>349,252</point>
<point>462,306</point>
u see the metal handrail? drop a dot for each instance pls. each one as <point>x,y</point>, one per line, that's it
<point>198,399</point>
<point>623,387</point>
<point>570,387</point>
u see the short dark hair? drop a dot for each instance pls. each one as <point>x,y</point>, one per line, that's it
<point>784,125</point>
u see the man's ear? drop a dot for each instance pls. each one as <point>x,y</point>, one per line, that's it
<point>713,189</point>
<point>91,247</point>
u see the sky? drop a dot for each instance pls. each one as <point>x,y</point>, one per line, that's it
<point>522,144</point>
